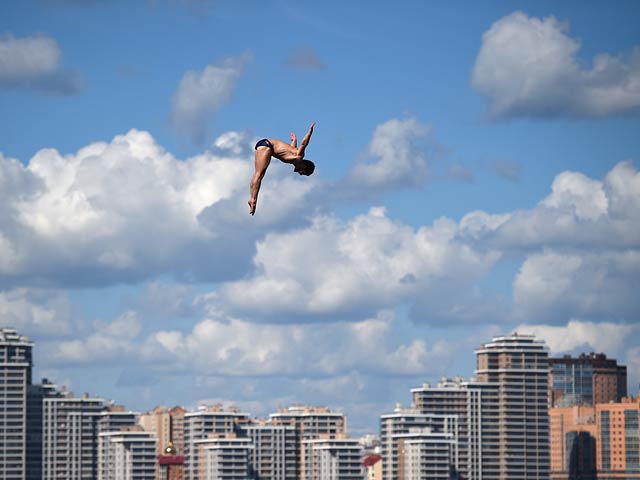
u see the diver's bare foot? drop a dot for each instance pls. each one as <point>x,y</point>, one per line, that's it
<point>252,207</point>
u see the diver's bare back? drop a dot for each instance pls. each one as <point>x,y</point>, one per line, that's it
<point>284,152</point>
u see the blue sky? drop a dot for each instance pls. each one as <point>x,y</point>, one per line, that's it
<point>477,173</point>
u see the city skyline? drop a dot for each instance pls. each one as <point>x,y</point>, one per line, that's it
<point>477,174</point>
<point>494,426</point>
<point>449,384</point>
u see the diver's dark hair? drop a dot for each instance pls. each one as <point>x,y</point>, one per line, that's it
<point>309,166</point>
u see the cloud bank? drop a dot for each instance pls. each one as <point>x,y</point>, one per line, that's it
<point>127,210</point>
<point>579,253</point>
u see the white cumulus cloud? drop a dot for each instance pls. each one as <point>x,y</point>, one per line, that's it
<point>201,93</point>
<point>579,334</point>
<point>367,263</point>
<point>555,286</point>
<point>398,156</point>
<point>234,347</point>
<point>128,210</point>
<point>36,312</point>
<point>35,62</point>
<point>579,213</point>
<point>113,341</point>
<point>528,67</point>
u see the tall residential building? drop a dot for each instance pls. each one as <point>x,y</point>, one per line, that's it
<point>310,423</point>
<point>224,458</point>
<point>403,421</point>
<point>15,378</point>
<point>207,422</point>
<point>168,426</point>
<point>115,418</point>
<point>35,397</point>
<point>573,436</point>
<point>618,431</point>
<point>273,456</point>
<point>127,454</point>
<point>589,379</point>
<point>428,454</point>
<point>596,442</point>
<point>517,365</point>
<point>449,397</point>
<point>333,459</point>
<point>70,437</point>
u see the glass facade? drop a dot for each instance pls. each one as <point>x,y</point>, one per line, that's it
<point>572,384</point>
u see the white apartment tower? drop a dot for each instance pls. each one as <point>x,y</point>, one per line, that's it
<point>333,459</point>
<point>449,397</point>
<point>223,458</point>
<point>115,418</point>
<point>207,422</point>
<point>70,437</point>
<point>128,454</point>
<point>273,456</point>
<point>310,423</point>
<point>395,427</point>
<point>428,455</point>
<point>15,379</point>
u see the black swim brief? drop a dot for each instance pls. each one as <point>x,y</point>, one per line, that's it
<point>264,143</point>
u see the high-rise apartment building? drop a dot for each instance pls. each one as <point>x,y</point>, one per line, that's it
<point>428,454</point>
<point>223,458</point>
<point>333,459</point>
<point>517,365</point>
<point>15,379</point>
<point>168,426</point>
<point>207,423</point>
<point>35,397</point>
<point>273,456</point>
<point>310,423</point>
<point>589,379</point>
<point>127,454</point>
<point>449,397</point>
<point>618,431</point>
<point>485,432</point>
<point>394,428</point>
<point>115,418</point>
<point>70,437</point>
<point>573,435</point>
<point>597,442</point>
<point>499,420</point>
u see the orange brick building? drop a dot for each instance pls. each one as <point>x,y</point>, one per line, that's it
<point>601,442</point>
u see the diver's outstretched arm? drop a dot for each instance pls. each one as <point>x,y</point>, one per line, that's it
<point>305,141</point>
